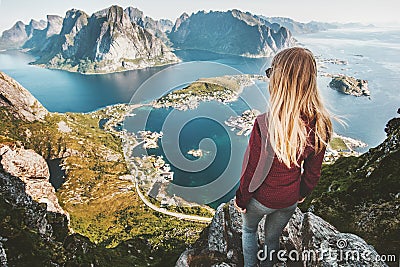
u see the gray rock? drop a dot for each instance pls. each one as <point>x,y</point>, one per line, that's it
<point>34,172</point>
<point>305,233</point>
<point>13,192</point>
<point>24,163</point>
<point>19,101</point>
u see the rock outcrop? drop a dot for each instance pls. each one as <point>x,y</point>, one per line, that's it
<point>306,234</point>
<point>34,172</point>
<point>350,85</point>
<point>231,32</point>
<point>20,103</point>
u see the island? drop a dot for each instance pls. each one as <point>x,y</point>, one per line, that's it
<point>196,153</point>
<point>350,85</point>
<point>244,123</point>
<point>224,89</point>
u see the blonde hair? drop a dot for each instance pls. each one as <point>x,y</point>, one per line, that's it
<point>293,96</point>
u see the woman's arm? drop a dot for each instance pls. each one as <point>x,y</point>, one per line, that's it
<point>311,173</point>
<point>249,165</point>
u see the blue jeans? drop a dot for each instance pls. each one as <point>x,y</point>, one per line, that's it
<point>275,221</point>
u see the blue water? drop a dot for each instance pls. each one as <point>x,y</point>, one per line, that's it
<point>372,54</point>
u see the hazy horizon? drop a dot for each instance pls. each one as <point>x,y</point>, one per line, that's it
<point>366,12</point>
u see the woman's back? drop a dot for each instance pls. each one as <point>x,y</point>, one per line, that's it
<point>282,185</point>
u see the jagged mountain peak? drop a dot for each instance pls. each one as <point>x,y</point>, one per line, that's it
<point>116,14</point>
<point>134,12</point>
<point>54,25</point>
<point>74,20</point>
<point>40,25</point>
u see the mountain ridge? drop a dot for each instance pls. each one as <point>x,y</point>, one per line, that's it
<point>229,32</point>
<point>107,41</point>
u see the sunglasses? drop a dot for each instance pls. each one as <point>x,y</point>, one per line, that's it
<point>268,72</point>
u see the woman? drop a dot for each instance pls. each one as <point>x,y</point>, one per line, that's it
<point>291,135</point>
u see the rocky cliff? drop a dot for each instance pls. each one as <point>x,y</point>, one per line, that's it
<point>231,32</point>
<point>18,101</point>
<point>305,234</point>
<point>30,235</point>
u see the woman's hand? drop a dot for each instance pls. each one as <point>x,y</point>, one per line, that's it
<point>301,200</point>
<point>238,208</point>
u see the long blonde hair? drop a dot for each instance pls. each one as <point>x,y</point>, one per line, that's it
<point>293,96</point>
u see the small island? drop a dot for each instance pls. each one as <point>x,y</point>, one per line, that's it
<point>244,123</point>
<point>350,85</point>
<point>196,153</point>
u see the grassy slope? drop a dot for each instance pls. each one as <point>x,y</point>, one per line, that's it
<point>92,195</point>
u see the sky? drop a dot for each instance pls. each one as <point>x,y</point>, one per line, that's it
<point>378,12</point>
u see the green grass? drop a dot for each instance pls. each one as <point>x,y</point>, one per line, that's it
<point>338,144</point>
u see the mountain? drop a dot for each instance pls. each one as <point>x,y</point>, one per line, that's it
<point>19,33</point>
<point>298,27</point>
<point>110,40</point>
<point>231,32</point>
<point>361,194</point>
<point>107,41</point>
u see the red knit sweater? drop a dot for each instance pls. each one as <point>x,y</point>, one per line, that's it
<point>282,186</point>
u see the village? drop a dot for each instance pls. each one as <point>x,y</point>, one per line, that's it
<point>243,123</point>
